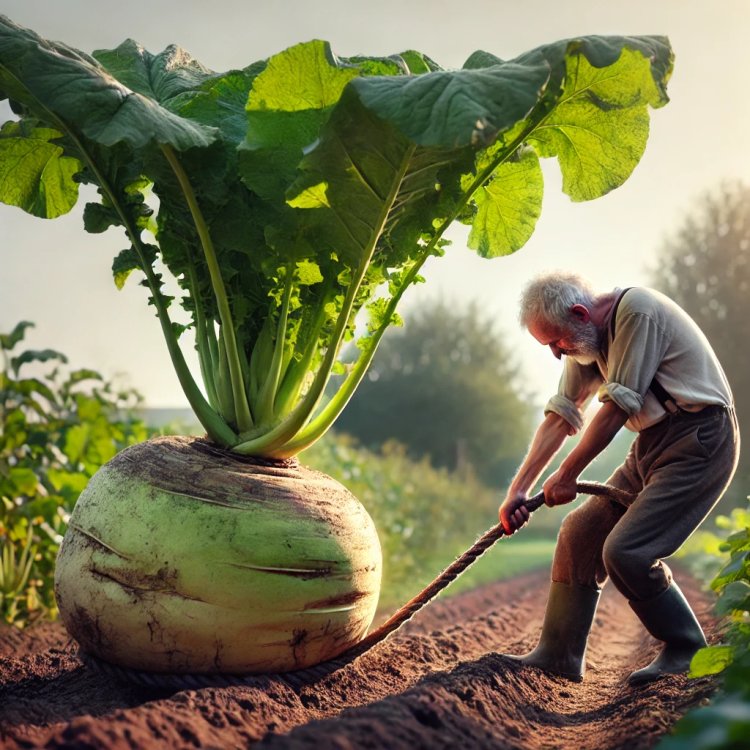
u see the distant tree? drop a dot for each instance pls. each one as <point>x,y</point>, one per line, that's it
<point>447,386</point>
<point>705,268</point>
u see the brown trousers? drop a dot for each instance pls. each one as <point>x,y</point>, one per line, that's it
<point>677,469</point>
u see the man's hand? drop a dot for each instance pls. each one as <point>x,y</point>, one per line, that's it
<point>513,513</point>
<point>559,489</point>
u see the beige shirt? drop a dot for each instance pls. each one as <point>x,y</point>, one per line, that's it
<point>653,336</point>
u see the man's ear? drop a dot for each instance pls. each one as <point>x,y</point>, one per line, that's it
<point>580,313</point>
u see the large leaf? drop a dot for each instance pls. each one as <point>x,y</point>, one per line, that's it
<point>287,106</point>
<point>70,90</point>
<point>599,126</point>
<point>159,77</point>
<point>456,108</point>
<point>35,174</point>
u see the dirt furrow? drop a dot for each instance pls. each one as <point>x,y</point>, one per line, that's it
<point>438,683</point>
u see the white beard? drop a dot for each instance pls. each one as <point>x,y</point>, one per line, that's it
<point>587,341</point>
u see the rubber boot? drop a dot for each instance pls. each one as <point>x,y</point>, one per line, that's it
<point>567,622</point>
<point>669,618</point>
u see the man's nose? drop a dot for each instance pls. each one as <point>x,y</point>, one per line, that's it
<point>556,350</point>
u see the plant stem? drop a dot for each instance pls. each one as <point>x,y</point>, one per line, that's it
<point>224,385</point>
<point>244,420</point>
<point>297,371</point>
<point>267,395</point>
<point>207,365</point>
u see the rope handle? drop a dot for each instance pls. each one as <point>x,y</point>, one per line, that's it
<point>394,622</point>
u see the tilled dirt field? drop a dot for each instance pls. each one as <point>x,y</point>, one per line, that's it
<point>438,683</point>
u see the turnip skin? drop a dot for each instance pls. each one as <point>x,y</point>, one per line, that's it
<point>182,558</point>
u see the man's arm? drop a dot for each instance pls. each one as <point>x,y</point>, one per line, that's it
<point>560,487</point>
<point>549,437</point>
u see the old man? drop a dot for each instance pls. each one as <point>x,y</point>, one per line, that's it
<point>655,373</point>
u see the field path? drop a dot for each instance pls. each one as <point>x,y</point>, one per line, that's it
<point>438,683</point>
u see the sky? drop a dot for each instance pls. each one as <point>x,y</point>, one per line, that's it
<point>55,274</point>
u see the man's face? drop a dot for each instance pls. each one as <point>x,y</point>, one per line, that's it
<point>580,341</point>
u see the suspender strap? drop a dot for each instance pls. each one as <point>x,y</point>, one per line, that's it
<point>661,393</point>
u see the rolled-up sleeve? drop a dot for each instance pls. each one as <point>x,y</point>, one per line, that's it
<point>634,357</point>
<point>577,386</point>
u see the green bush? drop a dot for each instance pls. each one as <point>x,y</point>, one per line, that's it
<point>56,430</point>
<point>725,723</point>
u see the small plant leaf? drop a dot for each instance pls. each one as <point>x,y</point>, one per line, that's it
<point>9,340</point>
<point>35,174</point>
<point>711,660</point>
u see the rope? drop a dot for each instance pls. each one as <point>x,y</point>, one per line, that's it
<point>400,617</point>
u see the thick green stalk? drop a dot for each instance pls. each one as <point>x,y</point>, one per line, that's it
<point>207,364</point>
<point>244,420</point>
<point>297,371</point>
<point>267,395</point>
<point>323,421</point>
<point>223,382</point>
<point>260,359</point>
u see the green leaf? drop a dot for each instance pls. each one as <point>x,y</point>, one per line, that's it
<point>29,386</point>
<point>508,207</point>
<point>732,570</point>
<point>734,598</point>
<point>89,408</point>
<point>24,481</point>
<point>160,77</point>
<point>417,62</point>
<point>308,273</point>
<point>43,355</point>
<point>9,340</point>
<point>124,264</point>
<point>220,102</point>
<point>98,218</point>
<point>711,660</point>
<point>456,108</point>
<point>35,174</point>
<point>82,374</point>
<point>306,76</point>
<point>73,93</point>
<point>375,180</point>
<point>75,442</point>
<point>288,104</point>
<point>599,126</point>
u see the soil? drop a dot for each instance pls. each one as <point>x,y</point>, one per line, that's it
<point>440,682</point>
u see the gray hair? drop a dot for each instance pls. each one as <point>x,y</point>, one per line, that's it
<point>550,297</point>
